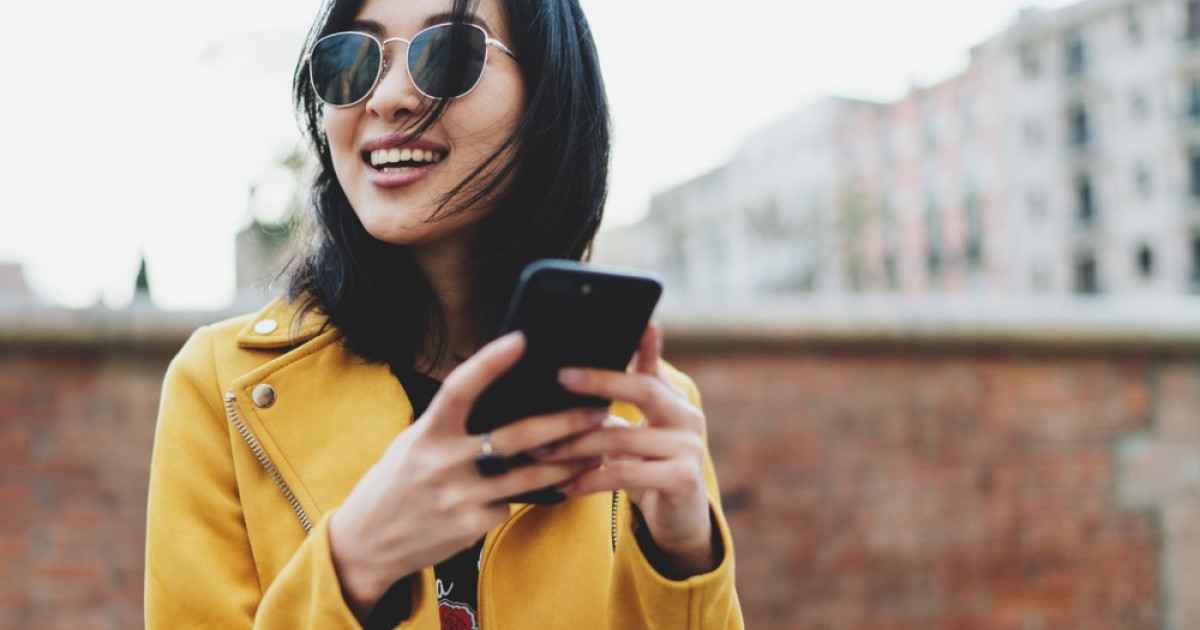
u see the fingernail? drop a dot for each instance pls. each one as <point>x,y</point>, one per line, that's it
<point>567,488</point>
<point>542,452</point>
<point>512,338</point>
<point>596,416</point>
<point>569,376</point>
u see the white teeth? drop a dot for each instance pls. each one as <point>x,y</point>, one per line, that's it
<point>381,157</point>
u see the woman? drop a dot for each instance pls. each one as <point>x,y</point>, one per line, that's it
<point>312,467</point>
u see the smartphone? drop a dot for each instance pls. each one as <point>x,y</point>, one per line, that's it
<point>573,315</point>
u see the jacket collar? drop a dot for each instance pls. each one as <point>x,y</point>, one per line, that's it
<point>279,325</point>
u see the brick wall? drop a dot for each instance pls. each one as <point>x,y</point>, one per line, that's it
<point>932,484</point>
<point>76,426</point>
<point>950,489</point>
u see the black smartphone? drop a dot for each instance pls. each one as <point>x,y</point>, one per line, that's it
<point>573,315</point>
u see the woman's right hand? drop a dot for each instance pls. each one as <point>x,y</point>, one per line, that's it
<point>425,500</point>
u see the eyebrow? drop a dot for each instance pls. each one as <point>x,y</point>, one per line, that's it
<point>368,26</point>
<point>440,18</point>
<point>377,29</point>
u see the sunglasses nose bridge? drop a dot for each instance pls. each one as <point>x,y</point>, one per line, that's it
<point>394,91</point>
<point>388,62</point>
<point>383,51</point>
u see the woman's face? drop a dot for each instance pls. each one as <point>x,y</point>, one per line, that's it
<point>395,203</point>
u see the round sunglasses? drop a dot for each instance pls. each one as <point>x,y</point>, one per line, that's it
<point>444,61</point>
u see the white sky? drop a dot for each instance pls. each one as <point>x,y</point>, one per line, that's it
<point>137,126</point>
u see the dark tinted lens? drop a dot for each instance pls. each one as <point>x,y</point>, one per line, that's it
<point>447,61</point>
<point>344,67</point>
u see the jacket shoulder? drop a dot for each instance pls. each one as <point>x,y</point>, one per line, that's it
<point>219,352</point>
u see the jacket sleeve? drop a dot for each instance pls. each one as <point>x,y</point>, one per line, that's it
<point>200,570</point>
<point>640,597</point>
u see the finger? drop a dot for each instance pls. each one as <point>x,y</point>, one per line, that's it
<point>641,442</point>
<point>675,477</point>
<point>649,351</point>
<point>534,477</point>
<point>531,433</point>
<point>658,400</point>
<point>450,407</point>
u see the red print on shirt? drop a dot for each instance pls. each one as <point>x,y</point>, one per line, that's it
<point>456,616</point>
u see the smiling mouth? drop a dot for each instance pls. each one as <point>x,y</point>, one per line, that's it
<point>397,160</point>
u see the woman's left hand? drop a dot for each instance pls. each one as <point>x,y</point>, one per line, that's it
<point>660,462</point>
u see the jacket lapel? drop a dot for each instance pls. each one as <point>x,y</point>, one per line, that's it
<point>328,415</point>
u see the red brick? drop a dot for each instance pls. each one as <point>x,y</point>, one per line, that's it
<point>879,490</point>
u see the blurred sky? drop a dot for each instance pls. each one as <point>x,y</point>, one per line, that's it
<point>136,126</point>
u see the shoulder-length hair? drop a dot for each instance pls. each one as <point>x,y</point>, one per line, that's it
<point>546,186</point>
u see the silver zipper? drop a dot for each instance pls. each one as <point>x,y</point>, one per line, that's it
<point>616,494</point>
<point>265,461</point>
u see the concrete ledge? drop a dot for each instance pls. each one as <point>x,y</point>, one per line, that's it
<point>140,326</point>
<point>1159,324</point>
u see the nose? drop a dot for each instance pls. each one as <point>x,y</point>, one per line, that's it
<point>395,97</point>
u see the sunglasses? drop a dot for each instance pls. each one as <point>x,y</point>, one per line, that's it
<point>444,61</point>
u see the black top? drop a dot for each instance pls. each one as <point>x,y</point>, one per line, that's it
<point>457,576</point>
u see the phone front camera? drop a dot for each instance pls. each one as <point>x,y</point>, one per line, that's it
<point>586,289</point>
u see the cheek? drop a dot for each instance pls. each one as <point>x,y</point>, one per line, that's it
<point>481,127</point>
<point>339,131</point>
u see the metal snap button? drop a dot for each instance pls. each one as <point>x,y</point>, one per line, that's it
<point>266,326</point>
<point>263,396</point>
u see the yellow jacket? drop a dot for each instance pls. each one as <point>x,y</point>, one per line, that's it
<point>263,430</point>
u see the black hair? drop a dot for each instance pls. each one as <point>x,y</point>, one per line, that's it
<point>546,186</point>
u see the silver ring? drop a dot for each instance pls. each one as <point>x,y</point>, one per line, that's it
<point>490,462</point>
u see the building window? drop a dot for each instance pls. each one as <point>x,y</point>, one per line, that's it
<point>1193,21</point>
<point>1133,25</point>
<point>1086,200</point>
<point>1193,107</point>
<point>1032,133</point>
<point>974,230</point>
<point>1195,172</point>
<point>933,236</point>
<point>1141,178</point>
<point>1077,54</point>
<point>1086,280</point>
<point>1079,133</point>
<point>1030,66</point>
<point>1037,206</point>
<point>1196,262</point>
<point>1145,261</point>
<point>1039,278</point>
<point>1138,104</point>
<point>966,105</point>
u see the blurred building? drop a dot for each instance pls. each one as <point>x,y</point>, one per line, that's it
<point>1065,158</point>
<point>260,249</point>
<point>13,287</point>
<point>1100,139</point>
